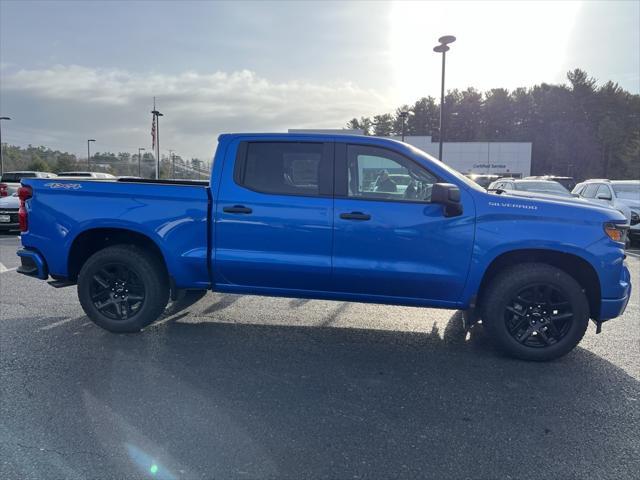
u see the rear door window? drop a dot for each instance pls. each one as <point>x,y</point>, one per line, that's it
<point>284,168</point>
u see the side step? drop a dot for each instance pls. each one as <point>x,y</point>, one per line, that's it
<point>60,283</point>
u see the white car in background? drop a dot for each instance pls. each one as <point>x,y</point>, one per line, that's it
<point>86,175</point>
<point>547,187</point>
<point>10,181</point>
<point>623,195</point>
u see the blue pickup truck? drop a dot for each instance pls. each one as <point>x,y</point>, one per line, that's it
<point>335,217</point>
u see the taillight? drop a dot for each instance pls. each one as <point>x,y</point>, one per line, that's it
<point>4,190</point>
<point>24,194</point>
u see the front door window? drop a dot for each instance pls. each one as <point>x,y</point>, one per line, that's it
<point>377,174</point>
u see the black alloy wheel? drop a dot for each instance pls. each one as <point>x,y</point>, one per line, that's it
<point>538,316</point>
<point>535,311</point>
<point>117,292</point>
<point>123,288</point>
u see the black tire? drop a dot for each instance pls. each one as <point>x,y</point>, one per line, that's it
<point>111,283</point>
<point>526,321</point>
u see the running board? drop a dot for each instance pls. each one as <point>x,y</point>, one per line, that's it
<point>60,283</point>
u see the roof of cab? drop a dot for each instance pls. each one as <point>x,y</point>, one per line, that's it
<point>319,136</point>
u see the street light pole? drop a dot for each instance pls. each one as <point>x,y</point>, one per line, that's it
<point>1,147</point>
<point>139,160</point>
<point>403,116</point>
<point>89,153</point>
<point>442,48</point>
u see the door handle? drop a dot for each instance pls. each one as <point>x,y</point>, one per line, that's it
<point>237,209</point>
<point>355,216</point>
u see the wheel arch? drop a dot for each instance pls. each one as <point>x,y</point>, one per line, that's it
<point>95,239</point>
<point>575,266</point>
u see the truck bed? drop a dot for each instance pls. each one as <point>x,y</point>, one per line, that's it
<point>172,213</point>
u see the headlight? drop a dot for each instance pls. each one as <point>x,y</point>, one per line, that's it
<point>616,232</point>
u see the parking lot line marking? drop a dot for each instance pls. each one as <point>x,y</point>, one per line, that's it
<point>4,269</point>
<point>56,324</point>
<point>160,322</point>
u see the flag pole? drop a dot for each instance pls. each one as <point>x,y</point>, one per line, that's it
<point>156,137</point>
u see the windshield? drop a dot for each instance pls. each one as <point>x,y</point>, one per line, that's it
<point>543,187</point>
<point>467,181</point>
<point>484,181</point>
<point>16,176</point>
<point>627,191</point>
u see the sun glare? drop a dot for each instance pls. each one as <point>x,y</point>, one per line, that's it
<point>499,44</point>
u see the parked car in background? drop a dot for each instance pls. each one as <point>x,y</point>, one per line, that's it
<point>9,207</point>
<point>10,181</point>
<point>86,174</point>
<point>481,179</point>
<point>567,182</point>
<point>623,195</point>
<point>548,187</point>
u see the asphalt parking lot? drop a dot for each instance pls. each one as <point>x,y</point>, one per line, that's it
<point>248,387</point>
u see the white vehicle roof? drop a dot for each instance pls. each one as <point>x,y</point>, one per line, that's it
<point>606,180</point>
<point>78,174</point>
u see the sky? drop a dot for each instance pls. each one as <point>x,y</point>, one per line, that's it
<point>72,70</point>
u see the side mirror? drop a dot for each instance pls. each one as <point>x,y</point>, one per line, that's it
<point>603,196</point>
<point>448,195</point>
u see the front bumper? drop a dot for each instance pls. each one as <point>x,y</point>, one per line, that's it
<point>614,307</point>
<point>12,224</point>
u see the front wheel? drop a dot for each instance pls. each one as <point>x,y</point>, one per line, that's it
<point>122,288</point>
<point>535,311</point>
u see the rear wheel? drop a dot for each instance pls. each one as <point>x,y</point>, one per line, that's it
<point>535,312</point>
<point>122,288</point>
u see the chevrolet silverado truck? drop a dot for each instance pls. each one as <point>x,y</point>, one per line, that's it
<point>320,216</point>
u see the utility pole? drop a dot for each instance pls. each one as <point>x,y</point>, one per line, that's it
<point>156,122</point>
<point>89,153</point>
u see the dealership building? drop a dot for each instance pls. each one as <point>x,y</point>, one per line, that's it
<point>510,159</point>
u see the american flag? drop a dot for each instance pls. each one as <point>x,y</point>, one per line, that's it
<point>153,133</point>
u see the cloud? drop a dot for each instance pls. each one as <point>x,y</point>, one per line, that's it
<point>72,102</point>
